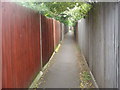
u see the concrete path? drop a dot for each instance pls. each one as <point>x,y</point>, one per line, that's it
<point>64,71</point>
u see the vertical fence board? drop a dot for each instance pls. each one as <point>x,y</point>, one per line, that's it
<point>43,30</point>
<point>47,38</point>
<point>54,32</point>
<point>7,74</point>
<point>57,33</point>
<point>21,45</point>
<point>51,36</point>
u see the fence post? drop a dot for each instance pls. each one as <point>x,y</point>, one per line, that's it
<point>41,44</point>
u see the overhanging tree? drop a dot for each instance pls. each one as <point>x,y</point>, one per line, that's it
<point>66,12</point>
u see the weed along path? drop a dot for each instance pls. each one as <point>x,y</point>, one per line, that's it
<point>64,69</point>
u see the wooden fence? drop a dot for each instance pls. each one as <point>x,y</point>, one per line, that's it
<point>21,45</point>
<point>57,33</point>
<point>51,37</point>
<point>28,40</point>
<point>97,36</point>
<point>47,38</point>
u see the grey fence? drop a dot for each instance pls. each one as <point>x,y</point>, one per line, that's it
<point>97,36</point>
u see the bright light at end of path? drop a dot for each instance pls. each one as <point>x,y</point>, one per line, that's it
<point>70,31</point>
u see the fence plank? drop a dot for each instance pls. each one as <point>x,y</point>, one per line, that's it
<point>47,39</point>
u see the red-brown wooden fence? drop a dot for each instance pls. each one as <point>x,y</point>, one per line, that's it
<point>51,36</point>
<point>24,32</point>
<point>21,45</point>
<point>47,38</point>
<point>57,32</point>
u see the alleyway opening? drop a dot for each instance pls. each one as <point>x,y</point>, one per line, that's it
<point>65,68</point>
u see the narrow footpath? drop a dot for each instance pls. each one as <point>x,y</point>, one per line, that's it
<point>64,69</point>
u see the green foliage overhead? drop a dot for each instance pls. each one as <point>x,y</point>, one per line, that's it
<point>66,12</point>
<point>59,7</point>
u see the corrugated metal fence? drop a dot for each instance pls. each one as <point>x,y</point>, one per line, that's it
<point>27,37</point>
<point>97,36</point>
